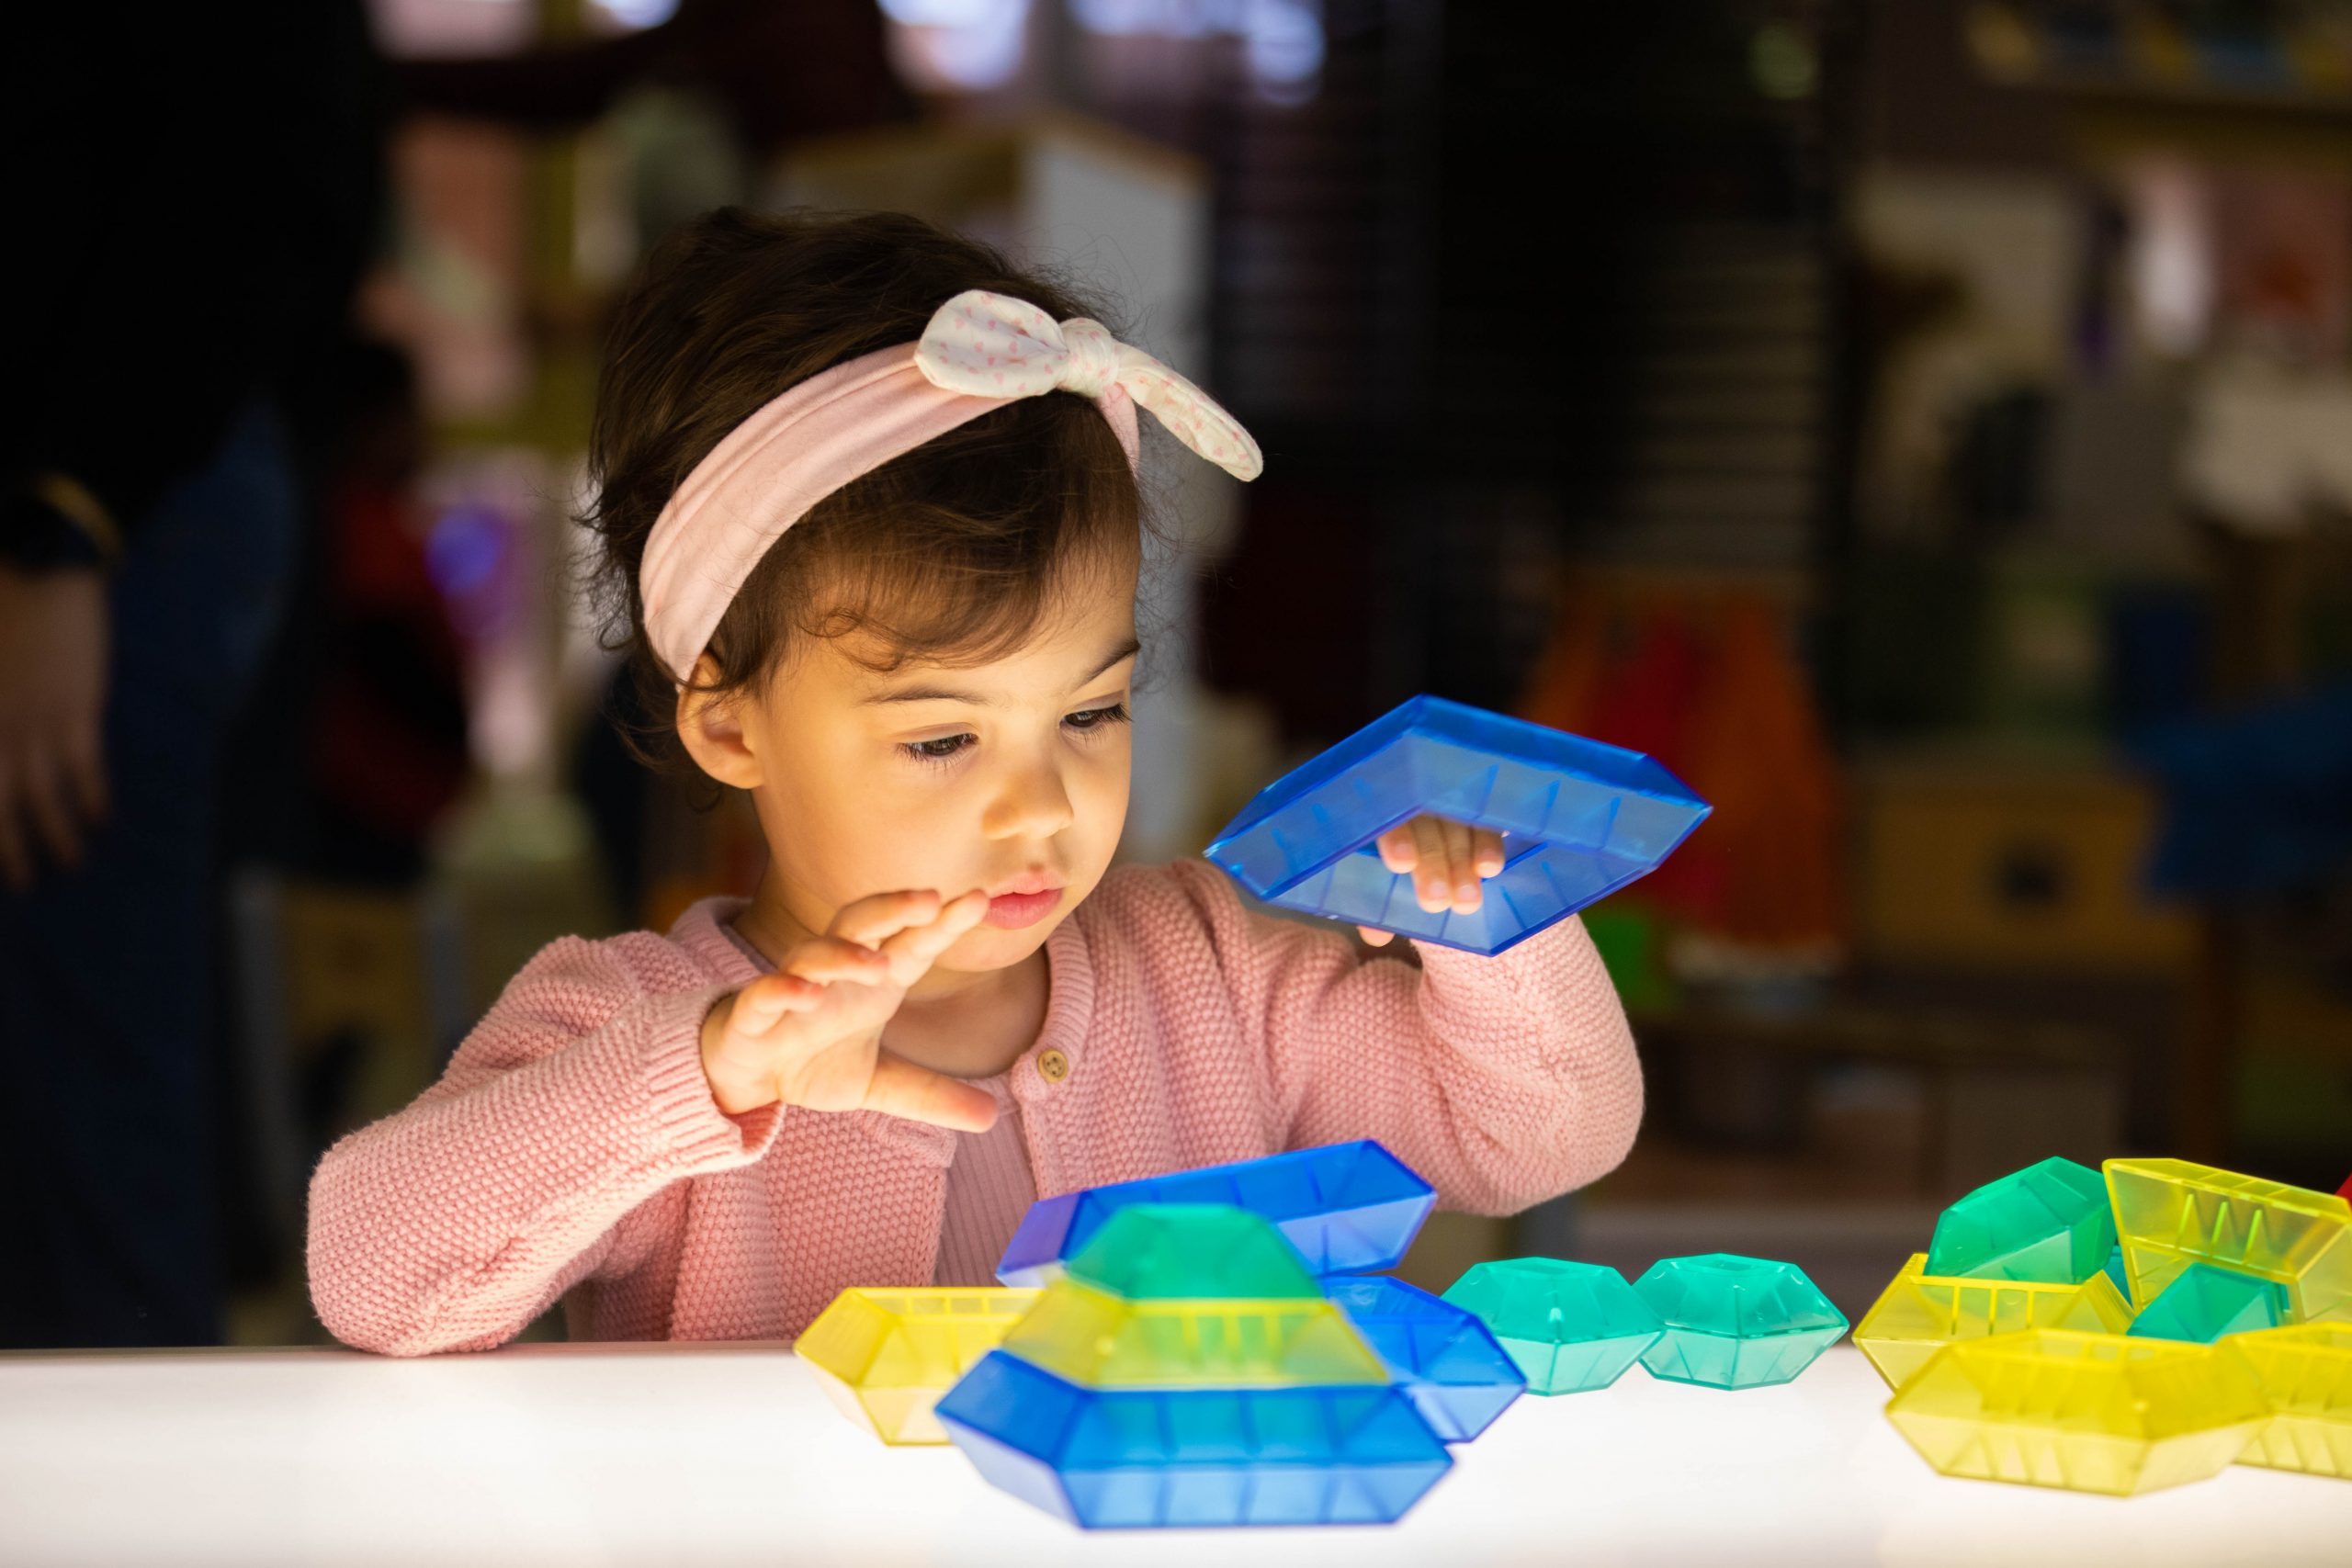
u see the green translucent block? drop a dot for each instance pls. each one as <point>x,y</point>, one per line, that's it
<point>1735,1322</point>
<point>2306,1372</point>
<point>2204,1303</point>
<point>2117,1272</point>
<point>2170,1214</point>
<point>1920,1313</point>
<point>1097,1340</point>
<point>2085,1412</point>
<point>2049,1221</point>
<point>1571,1327</point>
<point>1190,1251</point>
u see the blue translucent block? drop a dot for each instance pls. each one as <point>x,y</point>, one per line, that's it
<point>1442,1357</point>
<point>2205,1302</point>
<point>1735,1321</point>
<point>1111,1458</point>
<point>1579,820</point>
<point>1349,1209</point>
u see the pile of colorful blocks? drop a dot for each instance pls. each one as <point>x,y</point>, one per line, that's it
<point>2125,1333</point>
<point>1209,1348</point>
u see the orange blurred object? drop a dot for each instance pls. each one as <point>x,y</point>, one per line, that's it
<point>1704,680</point>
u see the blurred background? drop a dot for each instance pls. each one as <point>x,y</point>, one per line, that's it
<point>1923,424</point>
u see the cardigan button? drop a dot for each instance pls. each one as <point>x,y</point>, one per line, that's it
<point>1052,1066</point>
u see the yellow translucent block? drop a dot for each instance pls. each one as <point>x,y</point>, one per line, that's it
<point>886,1356</point>
<point>1920,1313</point>
<point>1098,1340</point>
<point>2170,1214</point>
<point>2086,1412</point>
<point>2306,1371</point>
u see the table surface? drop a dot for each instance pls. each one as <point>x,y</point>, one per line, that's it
<point>689,1455</point>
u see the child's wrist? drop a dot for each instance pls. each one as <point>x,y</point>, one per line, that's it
<point>733,1094</point>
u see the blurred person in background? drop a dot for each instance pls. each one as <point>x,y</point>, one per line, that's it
<point>195,190</point>
<point>771,76</point>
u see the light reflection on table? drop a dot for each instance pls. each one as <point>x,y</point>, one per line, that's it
<point>679,1454</point>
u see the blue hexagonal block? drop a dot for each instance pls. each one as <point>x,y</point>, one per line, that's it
<point>1442,1357</point>
<point>1145,1458</point>
<point>1578,819</point>
<point>1348,1208</point>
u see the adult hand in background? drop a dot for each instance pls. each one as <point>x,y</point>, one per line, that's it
<point>53,646</point>
<point>1448,860</point>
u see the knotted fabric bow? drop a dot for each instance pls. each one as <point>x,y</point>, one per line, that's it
<point>980,352</point>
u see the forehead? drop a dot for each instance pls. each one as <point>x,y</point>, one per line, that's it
<point>1086,636</point>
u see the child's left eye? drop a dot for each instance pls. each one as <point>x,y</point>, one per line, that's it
<point>938,751</point>
<point>1095,718</point>
<point>947,748</point>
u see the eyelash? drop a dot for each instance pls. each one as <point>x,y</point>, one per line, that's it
<point>917,750</point>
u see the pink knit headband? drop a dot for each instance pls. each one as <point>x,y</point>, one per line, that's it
<point>980,352</point>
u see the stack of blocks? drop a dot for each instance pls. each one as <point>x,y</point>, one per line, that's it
<point>2124,1334</point>
<point>1208,1349</point>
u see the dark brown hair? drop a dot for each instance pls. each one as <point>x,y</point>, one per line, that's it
<point>953,551</point>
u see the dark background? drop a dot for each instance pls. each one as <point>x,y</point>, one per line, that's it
<point>1845,401</point>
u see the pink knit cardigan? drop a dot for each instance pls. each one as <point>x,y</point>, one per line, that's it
<point>573,1148</point>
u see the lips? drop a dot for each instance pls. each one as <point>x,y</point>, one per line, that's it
<point>1027,882</point>
<point>1013,911</point>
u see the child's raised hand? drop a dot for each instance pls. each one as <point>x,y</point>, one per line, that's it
<point>810,1033</point>
<point>1448,860</point>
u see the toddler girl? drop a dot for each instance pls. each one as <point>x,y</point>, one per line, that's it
<point>866,499</point>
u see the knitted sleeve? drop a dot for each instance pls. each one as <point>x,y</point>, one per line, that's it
<point>452,1224</point>
<point>1503,1080</point>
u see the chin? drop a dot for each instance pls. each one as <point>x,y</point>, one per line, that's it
<point>999,947</point>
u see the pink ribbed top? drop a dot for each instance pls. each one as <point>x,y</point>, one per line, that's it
<point>573,1150</point>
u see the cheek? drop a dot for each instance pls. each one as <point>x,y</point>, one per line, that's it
<point>843,822</point>
<point>1107,778</point>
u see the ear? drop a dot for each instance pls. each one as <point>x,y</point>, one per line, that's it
<point>710,726</point>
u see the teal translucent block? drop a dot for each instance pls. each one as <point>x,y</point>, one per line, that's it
<point>2205,1302</point>
<point>1348,1208</point>
<point>2049,1223</point>
<point>1156,1459</point>
<point>1572,1327</point>
<point>1186,1251</point>
<point>1578,819</point>
<point>1735,1322</point>
<point>2117,1272</point>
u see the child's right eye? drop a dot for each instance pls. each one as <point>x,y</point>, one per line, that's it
<point>936,750</point>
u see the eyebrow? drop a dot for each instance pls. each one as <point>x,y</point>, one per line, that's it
<point>1127,649</point>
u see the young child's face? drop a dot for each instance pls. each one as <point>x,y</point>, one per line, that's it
<point>1009,776</point>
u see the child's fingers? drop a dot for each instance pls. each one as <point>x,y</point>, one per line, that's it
<point>1396,849</point>
<point>1486,848</point>
<point>826,959</point>
<point>1460,868</point>
<point>1432,879</point>
<point>768,998</point>
<point>1376,936</point>
<point>877,917</point>
<point>899,1087</point>
<point>917,945</point>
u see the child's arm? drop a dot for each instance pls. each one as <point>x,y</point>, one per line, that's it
<point>1503,1080</point>
<point>582,1094</point>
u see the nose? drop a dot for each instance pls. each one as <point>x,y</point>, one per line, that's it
<point>1030,802</point>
